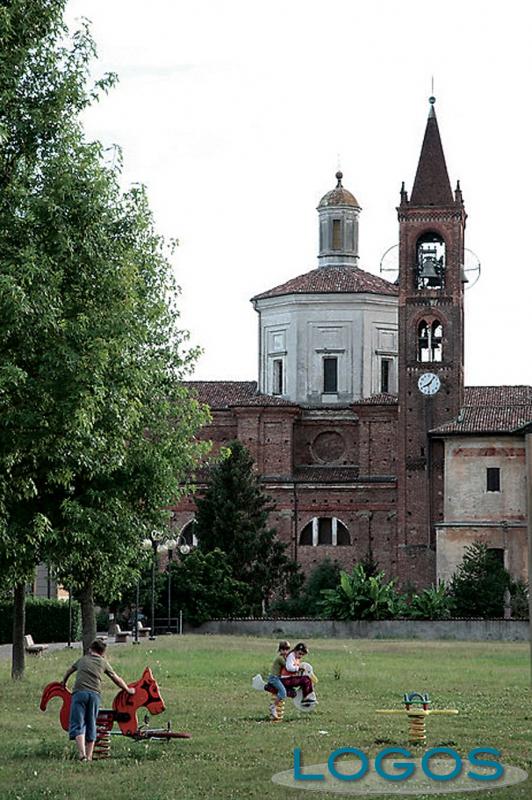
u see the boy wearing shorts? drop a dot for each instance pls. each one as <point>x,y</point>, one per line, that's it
<point>86,696</point>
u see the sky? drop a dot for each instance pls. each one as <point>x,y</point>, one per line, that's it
<point>236,114</point>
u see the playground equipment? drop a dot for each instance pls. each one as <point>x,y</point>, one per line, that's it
<point>277,708</point>
<point>123,712</point>
<point>417,709</point>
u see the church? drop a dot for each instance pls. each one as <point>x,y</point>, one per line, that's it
<point>360,425</point>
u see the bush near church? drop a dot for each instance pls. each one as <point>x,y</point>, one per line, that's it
<point>46,620</point>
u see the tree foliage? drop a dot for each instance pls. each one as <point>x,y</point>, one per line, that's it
<point>478,586</point>
<point>97,434</point>
<point>434,602</point>
<point>232,516</point>
<point>203,587</point>
<point>361,596</point>
<point>306,602</point>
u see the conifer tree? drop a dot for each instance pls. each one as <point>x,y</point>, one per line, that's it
<point>477,587</point>
<point>232,516</point>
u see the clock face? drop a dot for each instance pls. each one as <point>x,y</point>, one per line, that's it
<point>428,383</point>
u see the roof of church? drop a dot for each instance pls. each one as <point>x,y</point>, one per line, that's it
<point>339,196</point>
<point>486,409</point>
<point>384,398</point>
<point>332,280</point>
<point>492,409</point>
<point>431,184</point>
<point>226,394</point>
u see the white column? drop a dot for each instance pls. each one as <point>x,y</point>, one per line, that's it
<point>334,531</point>
<point>315,523</point>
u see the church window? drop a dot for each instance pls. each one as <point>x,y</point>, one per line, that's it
<point>493,479</point>
<point>336,234</point>
<point>277,376</point>
<point>386,365</point>
<point>330,374</point>
<point>429,341</point>
<point>327,531</point>
<point>430,261</point>
<point>188,534</point>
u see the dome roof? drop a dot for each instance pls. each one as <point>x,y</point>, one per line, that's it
<point>338,196</point>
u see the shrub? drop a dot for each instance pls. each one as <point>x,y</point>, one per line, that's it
<point>46,620</point>
<point>359,596</point>
<point>432,603</point>
<point>308,602</point>
<point>519,594</point>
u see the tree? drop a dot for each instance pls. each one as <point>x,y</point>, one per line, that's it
<point>307,601</point>
<point>477,587</point>
<point>232,515</point>
<point>41,88</point>
<point>203,587</point>
<point>97,434</point>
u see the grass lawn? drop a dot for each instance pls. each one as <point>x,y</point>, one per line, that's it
<point>205,681</point>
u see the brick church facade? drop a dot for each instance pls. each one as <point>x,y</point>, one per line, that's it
<point>360,425</point>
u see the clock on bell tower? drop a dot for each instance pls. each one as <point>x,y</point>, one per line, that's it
<point>431,347</point>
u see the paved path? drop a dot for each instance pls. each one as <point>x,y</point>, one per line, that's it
<point>5,649</point>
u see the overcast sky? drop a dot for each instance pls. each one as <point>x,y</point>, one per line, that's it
<point>234,114</point>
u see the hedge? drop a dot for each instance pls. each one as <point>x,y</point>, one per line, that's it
<point>46,620</point>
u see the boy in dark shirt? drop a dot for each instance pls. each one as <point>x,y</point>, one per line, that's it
<point>86,696</point>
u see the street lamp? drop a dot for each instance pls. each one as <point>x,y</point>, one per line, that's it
<point>157,543</point>
<point>184,549</point>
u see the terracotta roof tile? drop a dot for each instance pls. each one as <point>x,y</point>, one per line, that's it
<point>339,196</point>
<point>492,409</point>
<point>383,398</point>
<point>333,280</point>
<point>226,394</point>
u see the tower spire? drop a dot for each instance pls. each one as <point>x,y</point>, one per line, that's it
<point>431,185</point>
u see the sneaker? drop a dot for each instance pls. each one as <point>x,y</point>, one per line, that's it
<point>273,712</point>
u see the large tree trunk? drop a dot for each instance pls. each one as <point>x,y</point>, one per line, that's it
<point>18,662</point>
<point>88,616</point>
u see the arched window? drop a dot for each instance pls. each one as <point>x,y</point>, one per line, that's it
<point>324,531</point>
<point>188,534</point>
<point>429,341</point>
<point>430,261</point>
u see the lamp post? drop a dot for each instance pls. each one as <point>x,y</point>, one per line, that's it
<point>184,549</point>
<point>158,544</point>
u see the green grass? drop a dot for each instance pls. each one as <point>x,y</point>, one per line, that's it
<point>205,681</point>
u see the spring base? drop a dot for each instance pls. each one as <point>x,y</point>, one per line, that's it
<point>102,745</point>
<point>417,732</point>
<point>277,711</point>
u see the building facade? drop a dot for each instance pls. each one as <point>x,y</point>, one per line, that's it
<point>360,425</point>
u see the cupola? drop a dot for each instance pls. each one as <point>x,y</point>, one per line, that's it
<point>338,212</point>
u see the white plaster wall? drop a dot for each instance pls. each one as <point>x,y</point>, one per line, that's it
<point>471,513</point>
<point>466,461</point>
<point>348,326</point>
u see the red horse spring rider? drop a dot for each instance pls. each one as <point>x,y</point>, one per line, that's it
<point>123,712</point>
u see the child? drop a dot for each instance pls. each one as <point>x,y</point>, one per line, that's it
<point>274,679</point>
<point>86,696</point>
<point>293,676</point>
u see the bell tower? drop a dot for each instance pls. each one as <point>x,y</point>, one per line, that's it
<point>431,347</point>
